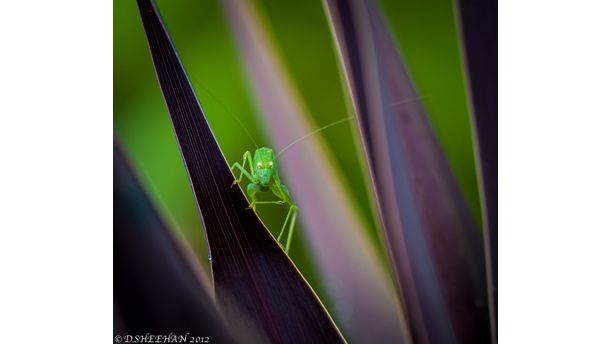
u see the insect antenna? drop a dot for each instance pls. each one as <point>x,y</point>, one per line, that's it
<point>405,101</point>
<point>312,133</point>
<point>228,111</point>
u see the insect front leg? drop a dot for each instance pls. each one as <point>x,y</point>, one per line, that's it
<point>245,157</point>
<point>252,189</point>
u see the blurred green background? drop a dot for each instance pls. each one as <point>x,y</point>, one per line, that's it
<point>425,31</point>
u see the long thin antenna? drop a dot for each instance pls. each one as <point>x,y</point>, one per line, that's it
<point>405,101</point>
<point>228,111</point>
<point>314,132</point>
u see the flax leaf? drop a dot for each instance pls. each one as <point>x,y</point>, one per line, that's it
<point>433,239</point>
<point>253,277</point>
<point>361,291</point>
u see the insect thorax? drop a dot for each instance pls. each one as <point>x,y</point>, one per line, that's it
<point>265,168</point>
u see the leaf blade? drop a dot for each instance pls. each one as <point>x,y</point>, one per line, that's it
<point>433,240</point>
<point>478,22</point>
<point>252,275</point>
<point>353,272</point>
<point>154,288</point>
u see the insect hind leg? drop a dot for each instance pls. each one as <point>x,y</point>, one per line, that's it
<point>290,221</point>
<point>291,227</point>
<point>282,192</point>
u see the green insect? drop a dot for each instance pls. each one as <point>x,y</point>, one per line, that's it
<point>263,173</point>
<point>263,177</point>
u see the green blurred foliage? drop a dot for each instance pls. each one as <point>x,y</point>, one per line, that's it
<point>426,34</point>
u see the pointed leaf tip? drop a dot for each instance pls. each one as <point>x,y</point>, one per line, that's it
<point>252,275</point>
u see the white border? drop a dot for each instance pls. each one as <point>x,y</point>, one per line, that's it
<point>555,189</point>
<point>56,140</point>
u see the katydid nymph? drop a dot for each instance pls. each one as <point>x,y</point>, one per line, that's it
<point>263,177</point>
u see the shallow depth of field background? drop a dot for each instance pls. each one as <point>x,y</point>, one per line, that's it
<point>425,32</point>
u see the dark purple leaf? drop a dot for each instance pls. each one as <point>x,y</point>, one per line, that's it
<point>154,287</point>
<point>478,20</point>
<point>252,274</point>
<point>434,241</point>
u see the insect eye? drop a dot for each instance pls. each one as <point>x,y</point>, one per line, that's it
<point>259,165</point>
<point>271,164</point>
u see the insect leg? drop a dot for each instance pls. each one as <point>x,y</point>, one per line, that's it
<point>283,193</point>
<point>252,189</point>
<point>270,202</point>
<point>284,225</point>
<point>290,219</point>
<point>245,157</point>
<point>291,227</point>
